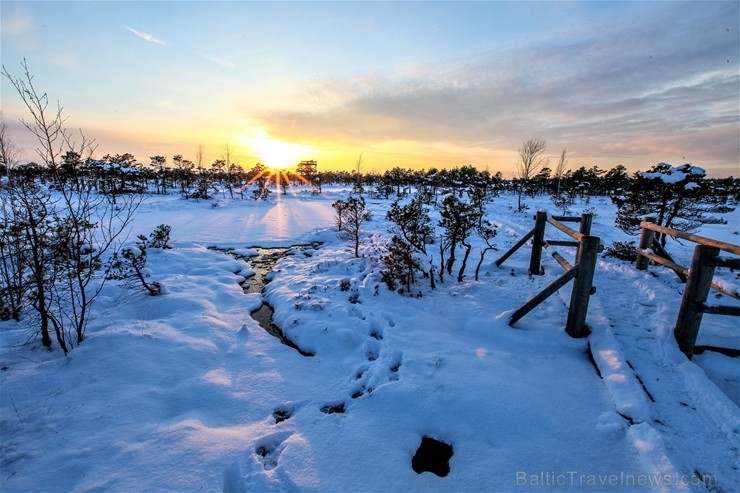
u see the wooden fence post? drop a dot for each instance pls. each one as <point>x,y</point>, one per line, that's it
<point>585,226</point>
<point>582,286</point>
<point>540,221</point>
<point>646,241</point>
<point>695,295</point>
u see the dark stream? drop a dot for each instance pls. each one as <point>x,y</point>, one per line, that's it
<point>263,264</point>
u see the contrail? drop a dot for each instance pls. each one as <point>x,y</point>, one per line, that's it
<point>145,36</point>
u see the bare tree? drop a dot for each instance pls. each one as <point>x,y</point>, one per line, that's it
<point>9,153</point>
<point>227,160</point>
<point>12,246</point>
<point>358,189</point>
<point>560,169</point>
<point>531,158</point>
<point>200,158</point>
<point>67,235</point>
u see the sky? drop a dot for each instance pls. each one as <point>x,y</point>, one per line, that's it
<point>410,84</point>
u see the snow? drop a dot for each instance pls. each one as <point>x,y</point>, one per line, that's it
<point>675,174</point>
<point>183,391</point>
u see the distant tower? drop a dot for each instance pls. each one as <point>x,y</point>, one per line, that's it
<point>307,169</point>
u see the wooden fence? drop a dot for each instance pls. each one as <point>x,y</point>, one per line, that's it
<point>582,273</point>
<point>699,278</point>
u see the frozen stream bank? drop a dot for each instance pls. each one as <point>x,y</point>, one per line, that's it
<point>262,263</point>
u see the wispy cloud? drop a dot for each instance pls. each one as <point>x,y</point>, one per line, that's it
<point>146,37</point>
<point>15,23</point>
<point>220,61</point>
<point>620,92</point>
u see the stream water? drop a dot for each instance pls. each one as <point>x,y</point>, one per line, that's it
<point>262,264</point>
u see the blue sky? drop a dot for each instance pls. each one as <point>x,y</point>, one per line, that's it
<point>415,84</point>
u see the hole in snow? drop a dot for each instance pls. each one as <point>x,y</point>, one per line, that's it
<point>333,408</point>
<point>282,413</point>
<point>433,456</point>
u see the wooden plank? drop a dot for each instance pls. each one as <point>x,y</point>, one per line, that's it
<point>733,311</point>
<point>582,287</point>
<point>565,229</point>
<point>516,247</point>
<point>732,263</point>
<point>567,219</point>
<point>543,295</point>
<point>559,259</point>
<point>725,247</point>
<point>694,297</point>
<point>680,269</point>
<point>561,243</point>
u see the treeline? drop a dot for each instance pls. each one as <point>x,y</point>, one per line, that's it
<point>119,174</point>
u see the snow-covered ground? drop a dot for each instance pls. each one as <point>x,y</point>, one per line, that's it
<point>185,392</point>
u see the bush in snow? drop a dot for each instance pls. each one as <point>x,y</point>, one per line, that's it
<point>160,236</point>
<point>400,266</point>
<point>623,250</point>
<point>412,224</point>
<point>129,265</point>
<point>412,232</point>
<point>261,193</point>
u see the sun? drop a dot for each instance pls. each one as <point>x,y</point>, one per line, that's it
<point>275,153</point>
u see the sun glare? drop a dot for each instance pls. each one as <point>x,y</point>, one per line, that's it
<point>276,153</point>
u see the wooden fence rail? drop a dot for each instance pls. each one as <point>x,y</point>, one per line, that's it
<point>582,273</point>
<point>699,278</point>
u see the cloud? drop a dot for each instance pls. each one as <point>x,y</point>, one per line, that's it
<point>616,90</point>
<point>15,23</point>
<point>146,37</point>
<point>219,61</point>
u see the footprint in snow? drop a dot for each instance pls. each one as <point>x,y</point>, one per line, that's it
<point>333,408</point>
<point>284,412</point>
<point>380,371</point>
<point>269,448</point>
<point>372,349</point>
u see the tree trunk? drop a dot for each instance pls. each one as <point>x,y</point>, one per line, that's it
<point>461,273</point>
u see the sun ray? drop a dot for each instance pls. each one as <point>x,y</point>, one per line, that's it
<point>275,153</point>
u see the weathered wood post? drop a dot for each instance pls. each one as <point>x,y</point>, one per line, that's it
<point>695,295</point>
<point>585,226</point>
<point>540,221</point>
<point>582,286</point>
<point>646,241</point>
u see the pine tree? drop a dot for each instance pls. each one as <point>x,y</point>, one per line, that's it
<point>400,265</point>
<point>351,215</point>
<point>674,195</point>
<point>458,220</point>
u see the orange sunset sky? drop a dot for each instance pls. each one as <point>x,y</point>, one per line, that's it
<point>411,84</point>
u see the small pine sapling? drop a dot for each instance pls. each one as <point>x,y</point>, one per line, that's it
<point>160,237</point>
<point>351,216</point>
<point>400,265</point>
<point>129,266</point>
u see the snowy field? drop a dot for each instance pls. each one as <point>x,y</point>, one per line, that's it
<point>185,392</point>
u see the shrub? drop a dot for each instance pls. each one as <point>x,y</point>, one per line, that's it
<point>623,250</point>
<point>160,237</point>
